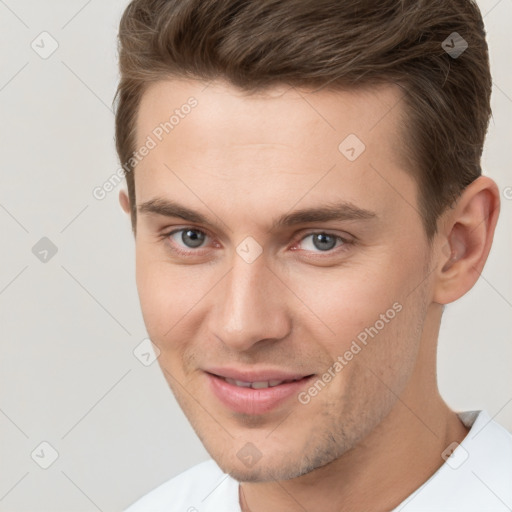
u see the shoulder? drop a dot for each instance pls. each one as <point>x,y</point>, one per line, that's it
<point>195,490</point>
<point>489,453</point>
<point>476,476</point>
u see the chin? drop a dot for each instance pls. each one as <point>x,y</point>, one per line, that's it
<point>280,467</point>
<point>260,472</point>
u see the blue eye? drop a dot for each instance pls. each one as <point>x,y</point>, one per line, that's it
<point>323,241</point>
<point>191,241</point>
<point>191,238</point>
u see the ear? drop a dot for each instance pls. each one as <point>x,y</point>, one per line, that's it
<point>466,232</point>
<point>124,201</point>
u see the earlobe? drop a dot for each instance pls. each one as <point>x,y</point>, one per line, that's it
<point>124,201</point>
<point>469,230</point>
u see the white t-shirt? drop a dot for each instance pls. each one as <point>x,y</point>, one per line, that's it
<point>476,477</point>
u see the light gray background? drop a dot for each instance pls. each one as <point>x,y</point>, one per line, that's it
<point>69,326</point>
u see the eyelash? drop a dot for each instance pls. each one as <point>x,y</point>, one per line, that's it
<point>343,247</point>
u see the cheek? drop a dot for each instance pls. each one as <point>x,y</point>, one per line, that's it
<point>171,297</point>
<point>162,293</point>
<point>361,300</point>
<point>165,300</point>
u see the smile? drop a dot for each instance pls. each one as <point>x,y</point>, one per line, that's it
<point>258,385</point>
<point>258,395</point>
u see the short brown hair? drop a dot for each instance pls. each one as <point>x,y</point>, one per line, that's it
<point>255,44</point>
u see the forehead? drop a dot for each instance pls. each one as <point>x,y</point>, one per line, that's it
<point>218,141</point>
<point>276,115</point>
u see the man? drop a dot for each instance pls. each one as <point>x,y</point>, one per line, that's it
<point>305,192</point>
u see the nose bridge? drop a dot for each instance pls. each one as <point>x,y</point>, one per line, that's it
<point>248,306</point>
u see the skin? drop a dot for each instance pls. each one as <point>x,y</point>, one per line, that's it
<point>376,432</point>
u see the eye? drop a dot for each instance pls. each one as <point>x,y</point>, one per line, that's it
<point>322,241</point>
<point>190,240</point>
<point>186,238</point>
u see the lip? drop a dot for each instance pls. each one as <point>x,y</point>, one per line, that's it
<point>255,375</point>
<point>254,401</point>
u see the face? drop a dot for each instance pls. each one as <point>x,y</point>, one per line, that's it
<point>280,267</point>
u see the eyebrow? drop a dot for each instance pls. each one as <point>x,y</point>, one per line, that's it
<point>343,210</point>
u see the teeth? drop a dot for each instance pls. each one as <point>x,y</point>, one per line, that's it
<point>259,385</point>
<point>242,384</point>
<point>238,383</point>
<point>256,385</point>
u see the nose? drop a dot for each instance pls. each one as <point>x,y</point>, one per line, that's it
<point>250,306</point>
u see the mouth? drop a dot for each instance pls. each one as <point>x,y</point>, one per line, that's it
<point>260,384</point>
<point>259,394</point>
